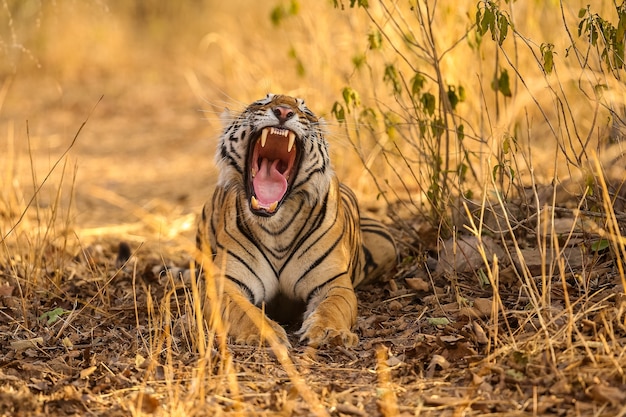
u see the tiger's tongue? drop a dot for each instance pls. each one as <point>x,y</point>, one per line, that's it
<point>269,184</point>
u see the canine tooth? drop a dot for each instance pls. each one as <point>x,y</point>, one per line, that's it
<point>263,137</point>
<point>292,140</point>
<point>272,207</point>
<point>254,203</point>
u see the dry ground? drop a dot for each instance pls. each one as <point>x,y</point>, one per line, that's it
<point>542,331</point>
<point>105,340</point>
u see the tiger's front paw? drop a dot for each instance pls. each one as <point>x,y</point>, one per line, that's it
<point>316,333</point>
<point>247,332</point>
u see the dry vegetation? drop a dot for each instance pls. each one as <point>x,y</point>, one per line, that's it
<point>510,297</point>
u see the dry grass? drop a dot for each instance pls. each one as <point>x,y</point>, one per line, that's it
<point>525,313</point>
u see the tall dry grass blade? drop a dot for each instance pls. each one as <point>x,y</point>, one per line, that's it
<point>212,300</point>
<point>492,268</point>
<point>39,186</point>
<point>535,295</point>
<point>387,400</point>
<point>614,234</point>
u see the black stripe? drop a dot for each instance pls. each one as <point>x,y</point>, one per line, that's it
<point>243,286</point>
<point>287,224</point>
<point>323,235</point>
<point>370,265</point>
<point>319,219</point>
<point>228,252</point>
<point>319,287</point>
<point>309,176</point>
<point>379,232</point>
<point>317,262</point>
<point>243,228</point>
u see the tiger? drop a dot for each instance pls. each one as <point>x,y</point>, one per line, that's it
<point>282,230</point>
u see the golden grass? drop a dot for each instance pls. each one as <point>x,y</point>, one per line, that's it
<point>550,337</point>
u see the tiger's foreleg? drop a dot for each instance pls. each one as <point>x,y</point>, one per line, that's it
<point>245,323</point>
<point>225,298</point>
<point>330,315</point>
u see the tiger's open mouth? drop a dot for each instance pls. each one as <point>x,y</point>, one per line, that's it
<point>271,168</point>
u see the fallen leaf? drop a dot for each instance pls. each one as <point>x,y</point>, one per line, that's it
<point>22,345</point>
<point>6,290</point>
<point>67,343</point>
<point>350,409</point>
<point>395,305</point>
<point>394,361</point>
<point>85,373</point>
<point>561,387</point>
<point>462,254</point>
<point>436,361</point>
<point>606,394</point>
<point>481,336</point>
<point>483,305</point>
<point>451,339</point>
<point>417,284</point>
<point>140,361</point>
<point>471,312</point>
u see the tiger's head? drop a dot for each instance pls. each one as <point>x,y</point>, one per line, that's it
<point>274,150</point>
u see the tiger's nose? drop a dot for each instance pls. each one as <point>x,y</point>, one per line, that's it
<point>282,113</point>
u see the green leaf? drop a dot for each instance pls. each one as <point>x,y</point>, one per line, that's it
<point>452,98</point>
<point>280,12</point>
<point>581,28</point>
<point>438,321</point>
<point>277,15</point>
<point>351,97</point>
<point>294,8</point>
<point>339,112</point>
<point>360,3</point>
<point>391,122</point>
<point>428,101</point>
<point>300,70</point>
<point>548,57</point>
<point>374,40</point>
<point>485,21</point>
<point>461,93</point>
<point>494,172</point>
<point>368,116</point>
<point>502,84</point>
<point>391,77</point>
<point>515,375</point>
<point>462,170</point>
<point>600,245</point>
<point>503,28</point>
<point>359,61</point>
<point>417,83</point>
<point>437,127</point>
<point>53,315</point>
<point>483,279</point>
